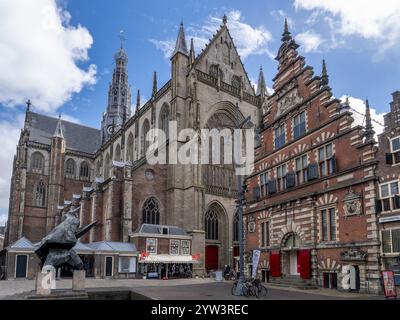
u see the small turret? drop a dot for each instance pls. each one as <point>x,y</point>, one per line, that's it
<point>181,46</point>
<point>59,131</point>
<point>324,75</point>
<point>155,84</point>
<point>369,129</point>
<point>261,87</point>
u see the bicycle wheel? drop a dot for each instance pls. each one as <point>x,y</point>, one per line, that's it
<point>262,291</point>
<point>254,291</point>
<point>234,288</point>
<point>246,291</point>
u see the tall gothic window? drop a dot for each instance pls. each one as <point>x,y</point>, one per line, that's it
<point>40,194</point>
<point>129,149</point>
<point>118,153</point>
<point>211,223</point>
<point>151,211</point>
<point>164,120</point>
<point>214,70</point>
<point>107,167</point>
<point>98,167</point>
<point>236,227</point>
<point>37,163</point>
<point>144,142</point>
<point>84,171</point>
<point>70,168</point>
<point>236,82</point>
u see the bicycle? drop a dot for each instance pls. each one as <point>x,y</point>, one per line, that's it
<point>260,290</point>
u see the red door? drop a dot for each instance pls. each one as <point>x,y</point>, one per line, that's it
<point>305,264</point>
<point>275,263</point>
<point>211,258</point>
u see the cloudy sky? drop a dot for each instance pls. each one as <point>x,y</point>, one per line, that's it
<point>59,53</point>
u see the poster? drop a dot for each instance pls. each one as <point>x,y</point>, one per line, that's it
<point>256,260</point>
<point>388,284</point>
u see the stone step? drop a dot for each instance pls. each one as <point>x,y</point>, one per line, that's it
<point>293,281</point>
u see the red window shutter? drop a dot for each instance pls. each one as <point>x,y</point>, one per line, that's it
<point>275,264</point>
<point>305,264</point>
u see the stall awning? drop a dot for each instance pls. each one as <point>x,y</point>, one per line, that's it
<point>166,258</point>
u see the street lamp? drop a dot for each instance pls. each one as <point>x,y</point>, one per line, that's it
<point>239,205</point>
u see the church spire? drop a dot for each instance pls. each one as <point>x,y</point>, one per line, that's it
<point>155,84</point>
<point>369,129</point>
<point>324,75</point>
<point>181,45</point>
<point>59,131</point>
<point>138,101</point>
<point>286,36</point>
<point>119,94</point>
<point>261,87</point>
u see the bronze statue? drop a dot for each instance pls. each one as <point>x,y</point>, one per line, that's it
<point>56,249</point>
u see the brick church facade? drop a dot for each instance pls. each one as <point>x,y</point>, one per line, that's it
<point>58,163</point>
<point>311,200</point>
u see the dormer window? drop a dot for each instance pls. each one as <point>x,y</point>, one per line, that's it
<point>164,230</point>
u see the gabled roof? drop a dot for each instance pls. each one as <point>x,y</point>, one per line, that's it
<point>111,246</point>
<point>157,229</point>
<point>21,245</point>
<point>77,137</point>
<point>224,28</point>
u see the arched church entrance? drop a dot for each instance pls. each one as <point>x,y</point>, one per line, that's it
<point>215,226</point>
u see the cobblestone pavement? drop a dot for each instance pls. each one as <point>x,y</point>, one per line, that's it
<point>185,289</point>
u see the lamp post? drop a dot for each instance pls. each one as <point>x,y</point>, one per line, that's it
<point>239,205</point>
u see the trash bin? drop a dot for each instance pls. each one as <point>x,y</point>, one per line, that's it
<point>218,275</point>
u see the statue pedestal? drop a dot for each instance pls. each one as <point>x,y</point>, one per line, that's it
<point>43,283</point>
<point>78,280</point>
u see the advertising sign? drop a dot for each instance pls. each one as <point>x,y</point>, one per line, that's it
<point>388,284</point>
<point>256,260</point>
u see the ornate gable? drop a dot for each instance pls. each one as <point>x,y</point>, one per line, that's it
<point>221,55</point>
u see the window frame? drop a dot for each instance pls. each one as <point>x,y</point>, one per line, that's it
<point>325,163</point>
<point>265,234</point>
<point>178,247</point>
<point>301,173</point>
<point>281,178</point>
<point>390,231</point>
<point>148,240</point>
<point>299,126</point>
<point>280,136</point>
<point>328,231</point>
<point>188,247</point>
<point>390,197</point>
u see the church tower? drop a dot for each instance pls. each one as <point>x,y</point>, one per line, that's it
<point>119,96</point>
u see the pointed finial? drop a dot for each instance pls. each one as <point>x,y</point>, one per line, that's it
<point>28,105</point>
<point>324,74</point>
<point>181,45</point>
<point>122,38</point>
<point>138,101</point>
<point>155,84</point>
<point>286,36</point>
<point>59,131</point>
<point>224,19</point>
<point>262,86</point>
<point>192,54</point>
<point>369,129</point>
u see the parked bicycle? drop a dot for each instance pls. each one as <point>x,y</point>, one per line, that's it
<point>251,288</point>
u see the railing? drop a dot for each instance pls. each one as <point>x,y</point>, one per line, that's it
<point>206,78</point>
<point>230,89</point>
<point>251,99</point>
<point>223,86</point>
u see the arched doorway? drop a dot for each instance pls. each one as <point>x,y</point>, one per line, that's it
<point>215,234</point>
<point>291,244</point>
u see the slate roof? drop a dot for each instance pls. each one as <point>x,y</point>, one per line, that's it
<point>112,246</point>
<point>21,244</point>
<point>77,137</point>
<point>157,229</point>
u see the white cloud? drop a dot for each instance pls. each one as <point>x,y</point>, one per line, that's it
<point>371,20</point>
<point>9,131</point>
<point>358,107</point>
<point>309,40</point>
<point>249,40</point>
<point>40,54</point>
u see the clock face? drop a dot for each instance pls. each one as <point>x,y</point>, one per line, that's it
<point>110,129</point>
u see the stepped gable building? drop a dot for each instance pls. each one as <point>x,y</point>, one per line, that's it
<point>58,162</point>
<point>388,205</point>
<point>311,201</point>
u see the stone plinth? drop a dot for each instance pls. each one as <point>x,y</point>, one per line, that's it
<point>78,280</point>
<point>44,283</point>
